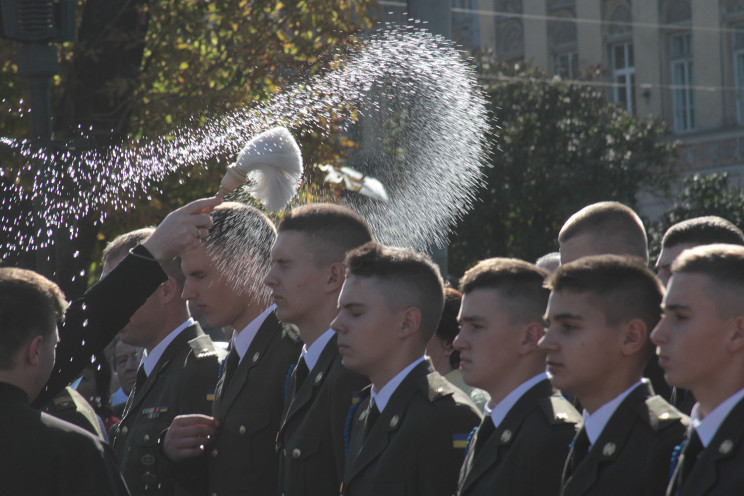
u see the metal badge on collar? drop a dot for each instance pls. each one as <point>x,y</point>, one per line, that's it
<point>726,447</point>
<point>609,449</point>
<point>506,436</point>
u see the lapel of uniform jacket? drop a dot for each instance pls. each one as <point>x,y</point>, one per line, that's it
<point>363,453</point>
<point>313,383</point>
<point>178,344</point>
<point>608,446</point>
<point>224,397</point>
<point>723,445</point>
<point>504,434</point>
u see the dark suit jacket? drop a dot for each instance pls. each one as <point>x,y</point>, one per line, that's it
<point>93,320</point>
<point>311,436</point>
<point>45,456</point>
<point>719,470</point>
<point>183,381</point>
<point>525,454</point>
<point>414,448</point>
<point>632,454</point>
<point>243,458</point>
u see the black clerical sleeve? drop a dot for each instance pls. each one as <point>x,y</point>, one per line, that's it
<point>94,319</point>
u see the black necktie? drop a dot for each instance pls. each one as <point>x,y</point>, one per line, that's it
<point>231,363</point>
<point>580,449</point>
<point>301,372</point>
<point>484,432</point>
<point>693,447</point>
<point>141,378</point>
<point>373,414</point>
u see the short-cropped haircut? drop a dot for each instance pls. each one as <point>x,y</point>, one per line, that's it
<point>30,306</point>
<point>724,265</point>
<point>520,283</point>
<point>622,287</point>
<point>612,224</point>
<point>410,278</point>
<point>703,231</point>
<point>330,230</point>
<point>119,247</point>
<point>239,244</point>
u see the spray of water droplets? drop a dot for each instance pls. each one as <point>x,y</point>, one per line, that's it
<point>404,96</point>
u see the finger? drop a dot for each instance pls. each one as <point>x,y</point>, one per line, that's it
<point>194,419</point>
<point>203,205</point>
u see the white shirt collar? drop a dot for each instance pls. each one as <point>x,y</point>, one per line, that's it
<point>707,427</point>
<point>499,412</point>
<point>242,339</point>
<point>312,354</point>
<point>383,396</point>
<point>596,422</point>
<point>149,360</point>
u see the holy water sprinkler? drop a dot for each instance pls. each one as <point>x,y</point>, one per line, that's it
<point>270,167</point>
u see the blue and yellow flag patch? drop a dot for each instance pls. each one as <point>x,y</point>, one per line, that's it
<point>355,397</point>
<point>154,412</point>
<point>459,441</point>
<point>210,394</point>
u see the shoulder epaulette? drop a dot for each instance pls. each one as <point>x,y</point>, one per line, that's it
<point>203,347</point>
<point>558,410</point>
<point>660,414</point>
<point>436,387</point>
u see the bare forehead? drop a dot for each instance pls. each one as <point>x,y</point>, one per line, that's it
<point>195,259</point>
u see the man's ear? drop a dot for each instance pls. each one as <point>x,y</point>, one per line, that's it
<point>635,337</point>
<point>532,334</point>
<point>336,276</point>
<point>410,321</point>
<point>169,290</point>
<point>736,341</point>
<point>33,351</point>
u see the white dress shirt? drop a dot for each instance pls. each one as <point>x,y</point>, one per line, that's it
<point>498,413</point>
<point>382,396</point>
<point>706,427</point>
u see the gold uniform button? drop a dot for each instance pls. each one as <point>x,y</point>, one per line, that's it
<point>609,449</point>
<point>147,437</point>
<point>394,421</point>
<point>296,453</point>
<point>124,430</point>
<point>726,447</point>
<point>319,378</point>
<point>255,357</point>
<point>241,430</point>
<point>214,453</point>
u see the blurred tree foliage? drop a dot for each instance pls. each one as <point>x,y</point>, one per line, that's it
<point>700,195</point>
<point>559,147</point>
<point>144,68</point>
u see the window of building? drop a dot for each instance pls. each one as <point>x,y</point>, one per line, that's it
<point>739,70</point>
<point>680,55</point>
<point>623,75</point>
<point>566,65</point>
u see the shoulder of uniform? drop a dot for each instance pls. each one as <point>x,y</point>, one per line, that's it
<point>660,414</point>
<point>436,387</point>
<point>203,347</point>
<point>558,410</point>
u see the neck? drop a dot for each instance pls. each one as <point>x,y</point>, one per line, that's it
<point>712,395</point>
<point>316,324</point>
<point>172,319</point>
<point>252,310</point>
<point>596,399</point>
<point>19,380</point>
<point>503,386</point>
<point>382,375</point>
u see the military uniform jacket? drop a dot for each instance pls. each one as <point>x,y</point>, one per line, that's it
<point>632,454</point>
<point>183,381</point>
<point>94,319</point>
<point>719,469</point>
<point>243,458</point>
<point>43,455</point>
<point>416,446</point>
<point>525,454</point>
<point>311,438</point>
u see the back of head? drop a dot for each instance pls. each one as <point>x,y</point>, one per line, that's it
<point>622,287</point>
<point>410,279</point>
<point>549,261</point>
<point>520,286</point>
<point>330,230</point>
<point>30,306</point>
<point>703,231</point>
<point>724,265</point>
<point>613,227</point>
<point>119,247</point>
<point>239,245</point>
